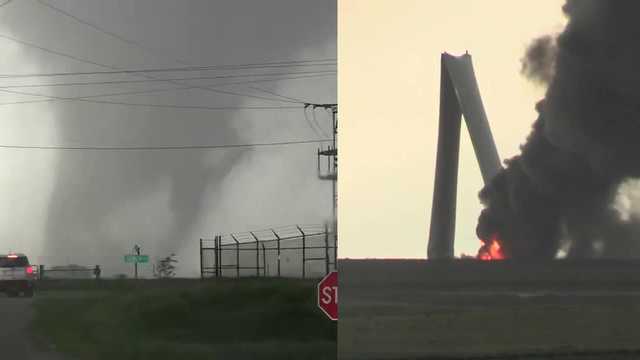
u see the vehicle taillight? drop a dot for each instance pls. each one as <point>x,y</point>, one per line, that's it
<point>29,270</point>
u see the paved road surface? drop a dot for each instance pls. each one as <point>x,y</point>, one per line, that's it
<point>15,339</point>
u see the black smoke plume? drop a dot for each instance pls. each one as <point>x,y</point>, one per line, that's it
<point>538,62</point>
<point>583,145</point>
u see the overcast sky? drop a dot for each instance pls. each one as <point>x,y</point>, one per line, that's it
<point>90,207</point>
<point>389,97</point>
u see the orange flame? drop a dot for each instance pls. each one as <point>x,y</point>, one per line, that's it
<point>491,250</point>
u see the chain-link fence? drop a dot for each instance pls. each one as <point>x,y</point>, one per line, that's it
<point>290,251</point>
<point>67,272</point>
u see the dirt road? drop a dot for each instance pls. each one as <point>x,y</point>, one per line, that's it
<point>16,341</point>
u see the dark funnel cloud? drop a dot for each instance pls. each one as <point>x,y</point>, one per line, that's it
<point>559,191</point>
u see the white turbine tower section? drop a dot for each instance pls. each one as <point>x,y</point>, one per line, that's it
<point>459,95</point>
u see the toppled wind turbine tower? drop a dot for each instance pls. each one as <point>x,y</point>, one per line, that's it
<point>459,96</point>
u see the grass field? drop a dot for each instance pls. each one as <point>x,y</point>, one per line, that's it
<point>489,311</point>
<point>223,319</point>
<point>464,324</point>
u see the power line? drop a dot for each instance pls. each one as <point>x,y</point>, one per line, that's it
<point>139,45</point>
<point>166,106</point>
<point>141,92</point>
<point>116,36</point>
<point>236,93</point>
<point>114,82</point>
<point>112,34</point>
<point>315,120</point>
<point>279,95</point>
<point>182,147</point>
<point>55,52</point>
<point>226,92</point>
<point>306,118</point>
<point>282,64</point>
<point>113,68</point>
<point>144,48</point>
<point>144,75</point>
<point>4,88</point>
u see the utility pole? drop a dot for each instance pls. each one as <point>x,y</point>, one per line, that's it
<point>331,153</point>
<point>136,250</point>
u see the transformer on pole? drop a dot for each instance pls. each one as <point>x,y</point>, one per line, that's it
<point>331,172</point>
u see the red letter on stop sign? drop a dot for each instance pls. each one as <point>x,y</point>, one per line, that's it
<point>328,295</point>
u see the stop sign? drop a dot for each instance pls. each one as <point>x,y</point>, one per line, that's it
<point>328,295</point>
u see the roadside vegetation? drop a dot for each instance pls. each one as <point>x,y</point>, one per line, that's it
<point>176,319</point>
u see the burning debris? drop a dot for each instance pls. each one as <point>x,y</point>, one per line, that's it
<point>583,145</point>
<point>491,249</point>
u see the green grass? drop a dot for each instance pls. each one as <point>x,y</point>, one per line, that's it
<point>238,319</point>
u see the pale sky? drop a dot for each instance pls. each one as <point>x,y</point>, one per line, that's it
<point>388,91</point>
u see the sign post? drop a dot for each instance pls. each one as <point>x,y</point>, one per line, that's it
<point>328,295</point>
<point>135,259</point>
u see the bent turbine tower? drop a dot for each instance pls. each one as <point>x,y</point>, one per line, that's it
<point>459,96</point>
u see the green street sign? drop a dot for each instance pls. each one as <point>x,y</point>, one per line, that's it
<point>136,258</point>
